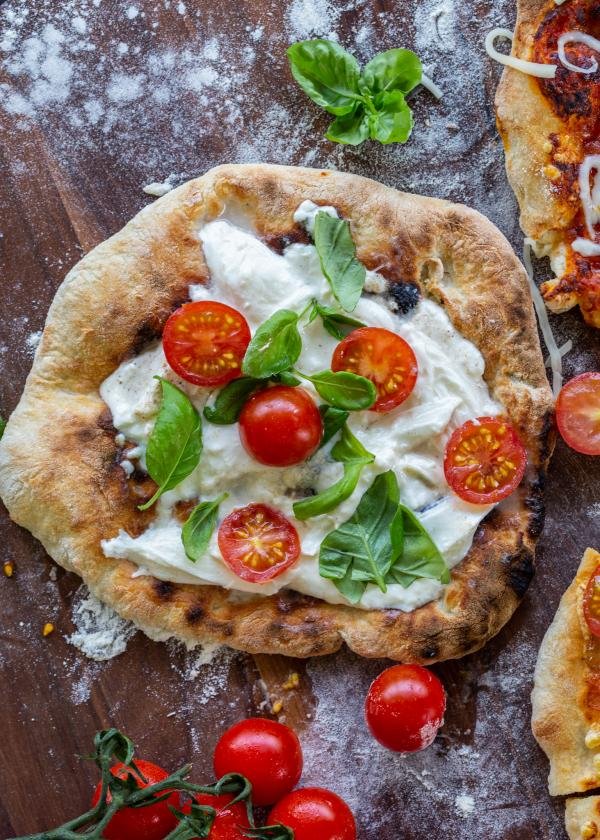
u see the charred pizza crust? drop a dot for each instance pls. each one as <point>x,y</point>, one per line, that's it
<point>59,463</point>
<point>560,720</point>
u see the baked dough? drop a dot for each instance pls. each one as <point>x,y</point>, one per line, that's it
<point>582,818</point>
<point>59,472</point>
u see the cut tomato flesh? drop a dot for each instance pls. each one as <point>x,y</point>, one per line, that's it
<point>591,603</point>
<point>258,543</point>
<point>578,413</point>
<point>485,460</point>
<point>205,342</point>
<point>383,357</point>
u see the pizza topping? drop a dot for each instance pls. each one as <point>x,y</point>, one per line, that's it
<point>280,426</point>
<point>592,737</point>
<point>384,358</point>
<point>542,71</point>
<point>590,192</point>
<point>258,543</point>
<point>199,526</point>
<point>591,603</point>
<point>485,460</point>
<point>337,255</point>
<point>577,37</point>
<point>578,413</point>
<point>205,341</point>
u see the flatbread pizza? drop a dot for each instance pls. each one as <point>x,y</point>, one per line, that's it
<point>193,520</point>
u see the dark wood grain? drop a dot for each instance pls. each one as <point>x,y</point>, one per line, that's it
<point>65,186</point>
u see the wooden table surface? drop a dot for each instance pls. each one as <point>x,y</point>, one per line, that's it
<point>98,98</point>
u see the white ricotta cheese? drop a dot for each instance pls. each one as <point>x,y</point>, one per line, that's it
<point>450,389</point>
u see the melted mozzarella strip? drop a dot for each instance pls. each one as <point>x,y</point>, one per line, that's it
<point>590,195</point>
<point>577,37</point>
<point>542,71</point>
<point>554,352</point>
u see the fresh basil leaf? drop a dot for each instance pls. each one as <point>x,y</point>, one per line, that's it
<point>327,74</point>
<point>351,589</point>
<point>275,346</point>
<point>393,70</point>
<point>344,389</point>
<point>419,556</point>
<point>333,420</point>
<point>287,378</point>
<point>336,323</point>
<point>337,254</point>
<point>200,524</point>
<point>2,426</point>
<point>393,122</point>
<point>230,400</point>
<point>362,546</point>
<point>354,456</point>
<point>175,444</point>
<point>351,129</point>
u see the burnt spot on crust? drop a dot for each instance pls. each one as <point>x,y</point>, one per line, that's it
<point>163,589</point>
<point>535,503</point>
<point>430,652</point>
<point>404,296</point>
<point>151,328</point>
<point>289,600</point>
<point>520,570</point>
<point>280,241</point>
<point>105,421</point>
<point>194,614</point>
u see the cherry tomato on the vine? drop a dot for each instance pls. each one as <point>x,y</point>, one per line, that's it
<point>578,413</point>
<point>591,603</point>
<point>152,822</point>
<point>314,814</point>
<point>485,460</point>
<point>281,426</point>
<point>383,357</point>
<point>205,342</point>
<point>405,708</point>
<point>266,752</point>
<point>231,820</point>
<point>258,543</point>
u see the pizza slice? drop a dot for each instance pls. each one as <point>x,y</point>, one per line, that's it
<point>548,114</point>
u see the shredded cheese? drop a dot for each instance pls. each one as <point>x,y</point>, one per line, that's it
<point>577,37</point>
<point>540,308</point>
<point>586,247</point>
<point>431,86</point>
<point>542,71</point>
<point>563,350</point>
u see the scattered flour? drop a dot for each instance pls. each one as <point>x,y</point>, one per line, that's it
<point>158,188</point>
<point>464,805</point>
<point>32,341</point>
<point>101,634</point>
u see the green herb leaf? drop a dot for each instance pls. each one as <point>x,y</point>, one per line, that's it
<point>327,74</point>
<point>275,346</point>
<point>230,400</point>
<point>286,378</point>
<point>361,549</point>
<point>417,556</point>
<point>333,420</point>
<point>393,122</point>
<point>337,254</point>
<point>344,389</point>
<point>2,426</point>
<point>200,524</point>
<point>350,129</point>
<point>393,70</point>
<point>175,445</point>
<point>349,451</point>
<point>336,323</point>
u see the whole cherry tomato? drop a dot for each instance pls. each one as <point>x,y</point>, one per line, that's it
<point>578,413</point>
<point>405,708</point>
<point>266,752</point>
<point>152,822</point>
<point>281,426</point>
<point>231,820</point>
<point>314,814</point>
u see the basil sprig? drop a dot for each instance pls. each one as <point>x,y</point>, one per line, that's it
<point>368,104</point>
<point>352,454</point>
<point>381,543</point>
<point>197,531</point>
<point>175,444</point>
<point>337,324</point>
<point>230,400</point>
<point>337,255</point>
<point>275,346</point>
<point>343,389</point>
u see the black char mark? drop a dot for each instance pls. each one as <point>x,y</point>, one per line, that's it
<point>405,295</point>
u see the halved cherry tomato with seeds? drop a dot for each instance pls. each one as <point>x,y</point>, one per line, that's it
<point>383,357</point>
<point>591,603</point>
<point>258,543</point>
<point>578,413</point>
<point>205,342</point>
<point>485,460</point>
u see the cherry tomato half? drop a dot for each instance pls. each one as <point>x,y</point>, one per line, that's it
<point>578,413</point>
<point>258,543</point>
<point>383,357</point>
<point>591,603</point>
<point>205,342</point>
<point>266,752</point>
<point>231,820</point>
<point>405,708</point>
<point>280,426</point>
<point>484,461</point>
<point>150,823</point>
<point>314,814</point>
